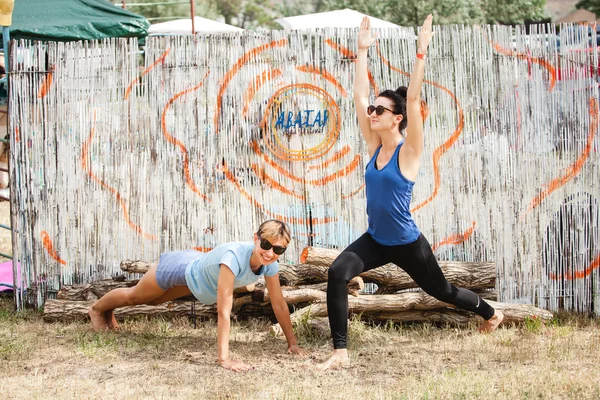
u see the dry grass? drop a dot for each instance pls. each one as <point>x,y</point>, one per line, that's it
<point>151,359</point>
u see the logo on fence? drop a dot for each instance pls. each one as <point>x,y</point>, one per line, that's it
<point>301,122</point>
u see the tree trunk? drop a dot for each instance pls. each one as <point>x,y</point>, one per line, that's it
<point>136,266</point>
<point>319,256</point>
<point>97,289</point>
<point>67,310</point>
<point>302,274</point>
<point>299,296</point>
<point>469,275</point>
<point>390,278</point>
<point>289,275</point>
<point>402,307</point>
<point>295,294</point>
<point>92,291</point>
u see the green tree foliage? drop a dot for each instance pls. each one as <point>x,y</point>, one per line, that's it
<point>513,11</point>
<point>590,5</point>
<point>257,14</point>
<point>251,14</point>
<point>177,9</point>
<point>412,12</point>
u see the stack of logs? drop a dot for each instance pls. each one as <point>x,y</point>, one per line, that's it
<point>304,288</point>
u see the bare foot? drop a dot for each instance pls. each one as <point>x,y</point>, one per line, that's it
<point>338,359</point>
<point>99,323</point>
<point>491,324</point>
<point>113,325</point>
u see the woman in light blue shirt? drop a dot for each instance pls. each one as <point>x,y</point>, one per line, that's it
<point>211,277</point>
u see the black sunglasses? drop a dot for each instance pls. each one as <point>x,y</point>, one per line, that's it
<point>378,110</point>
<point>266,245</point>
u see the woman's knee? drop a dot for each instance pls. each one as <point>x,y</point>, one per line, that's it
<point>345,267</point>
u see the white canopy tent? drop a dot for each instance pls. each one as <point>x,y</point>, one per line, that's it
<point>184,27</point>
<point>345,18</point>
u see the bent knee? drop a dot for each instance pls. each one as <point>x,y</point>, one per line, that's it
<point>345,267</point>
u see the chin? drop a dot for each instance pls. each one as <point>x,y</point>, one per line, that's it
<point>268,261</point>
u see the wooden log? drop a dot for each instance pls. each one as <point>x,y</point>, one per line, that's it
<point>303,274</point>
<point>469,275</point>
<point>97,289</point>
<point>93,290</point>
<point>136,266</point>
<point>299,296</point>
<point>355,285</point>
<point>67,310</point>
<point>80,292</point>
<point>513,314</point>
<point>398,307</point>
<point>70,310</point>
<point>305,293</point>
<point>319,256</point>
<point>390,278</point>
<point>442,316</point>
<point>289,275</point>
<point>314,310</point>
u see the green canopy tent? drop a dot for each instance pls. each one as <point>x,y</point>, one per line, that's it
<point>65,20</point>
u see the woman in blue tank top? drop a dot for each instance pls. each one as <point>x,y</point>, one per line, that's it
<point>211,277</point>
<point>390,175</point>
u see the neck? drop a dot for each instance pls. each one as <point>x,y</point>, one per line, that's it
<point>390,140</point>
<point>255,261</point>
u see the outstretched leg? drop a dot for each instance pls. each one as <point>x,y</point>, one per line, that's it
<point>418,260</point>
<point>362,255</point>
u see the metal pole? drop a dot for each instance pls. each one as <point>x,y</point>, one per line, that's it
<point>18,294</point>
<point>193,15</point>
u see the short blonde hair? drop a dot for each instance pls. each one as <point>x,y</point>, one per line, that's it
<point>275,229</point>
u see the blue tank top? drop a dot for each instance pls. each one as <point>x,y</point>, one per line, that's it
<point>388,203</point>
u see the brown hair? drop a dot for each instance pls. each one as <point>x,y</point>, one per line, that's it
<point>275,229</point>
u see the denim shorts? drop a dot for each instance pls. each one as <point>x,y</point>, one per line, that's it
<point>171,267</point>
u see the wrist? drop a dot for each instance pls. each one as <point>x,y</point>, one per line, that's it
<point>422,56</point>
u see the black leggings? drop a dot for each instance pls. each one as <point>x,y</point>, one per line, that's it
<point>416,259</point>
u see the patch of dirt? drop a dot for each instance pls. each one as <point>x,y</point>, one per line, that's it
<point>150,359</point>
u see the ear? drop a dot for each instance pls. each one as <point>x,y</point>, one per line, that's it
<point>255,237</point>
<point>399,119</point>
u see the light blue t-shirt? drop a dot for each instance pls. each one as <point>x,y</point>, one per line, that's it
<point>202,274</point>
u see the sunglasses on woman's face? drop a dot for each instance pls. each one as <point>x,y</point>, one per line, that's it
<point>378,110</point>
<point>266,245</point>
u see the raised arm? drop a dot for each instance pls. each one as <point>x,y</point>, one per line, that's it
<point>413,145</point>
<point>224,304</point>
<point>282,313</point>
<point>362,86</point>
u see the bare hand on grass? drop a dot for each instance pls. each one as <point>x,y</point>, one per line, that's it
<point>297,350</point>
